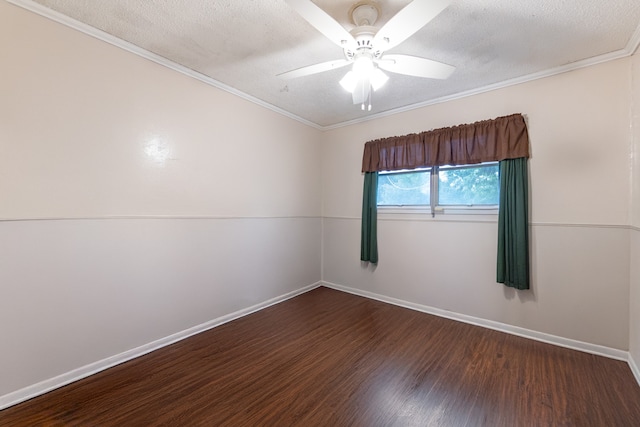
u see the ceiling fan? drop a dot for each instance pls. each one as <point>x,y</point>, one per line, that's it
<point>365,45</point>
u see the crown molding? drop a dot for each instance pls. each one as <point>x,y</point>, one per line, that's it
<point>628,50</point>
<point>611,56</point>
<point>634,42</point>
<point>129,47</point>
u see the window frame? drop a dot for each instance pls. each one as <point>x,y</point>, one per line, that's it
<point>434,207</point>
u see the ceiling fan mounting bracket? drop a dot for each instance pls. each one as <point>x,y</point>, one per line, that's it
<point>364,13</point>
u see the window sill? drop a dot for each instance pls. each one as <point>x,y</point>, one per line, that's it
<point>442,213</point>
<point>467,210</point>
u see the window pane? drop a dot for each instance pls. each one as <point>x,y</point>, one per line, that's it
<point>469,186</point>
<point>405,188</point>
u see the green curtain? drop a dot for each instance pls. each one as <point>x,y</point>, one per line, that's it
<point>513,224</point>
<point>369,236</point>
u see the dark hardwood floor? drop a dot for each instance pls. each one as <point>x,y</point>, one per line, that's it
<point>328,358</point>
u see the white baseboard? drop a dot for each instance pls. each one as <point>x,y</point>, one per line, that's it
<point>93,368</point>
<point>43,387</point>
<point>634,368</point>
<point>490,324</point>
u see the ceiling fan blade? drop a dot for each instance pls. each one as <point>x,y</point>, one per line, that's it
<point>406,22</point>
<point>314,69</point>
<point>415,66</point>
<point>323,23</point>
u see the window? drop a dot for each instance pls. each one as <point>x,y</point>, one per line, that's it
<point>441,188</point>
<point>404,188</point>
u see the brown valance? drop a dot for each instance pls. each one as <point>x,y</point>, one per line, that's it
<point>485,141</point>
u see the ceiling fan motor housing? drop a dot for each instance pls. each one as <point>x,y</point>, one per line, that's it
<point>364,39</point>
<point>364,15</point>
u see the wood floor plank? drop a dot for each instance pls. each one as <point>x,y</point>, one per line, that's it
<point>327,358</point>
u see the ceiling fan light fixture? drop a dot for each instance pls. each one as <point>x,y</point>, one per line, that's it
<point>349,81</point>
<point>365,71</point>
<point>363,65</point>
<point>378,78</point>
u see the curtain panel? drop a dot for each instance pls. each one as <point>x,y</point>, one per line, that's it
<point>485,141</point>
<point>513,224</point>
<point>369,230</point>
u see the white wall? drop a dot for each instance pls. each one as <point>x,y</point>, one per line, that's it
<point>104,247</point>
<point>580,185</point>
<point>634,344</point>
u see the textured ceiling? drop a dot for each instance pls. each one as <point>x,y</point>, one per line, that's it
<point>244,44</point>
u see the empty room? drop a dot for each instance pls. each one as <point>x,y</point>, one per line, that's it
<point>319,213</point>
